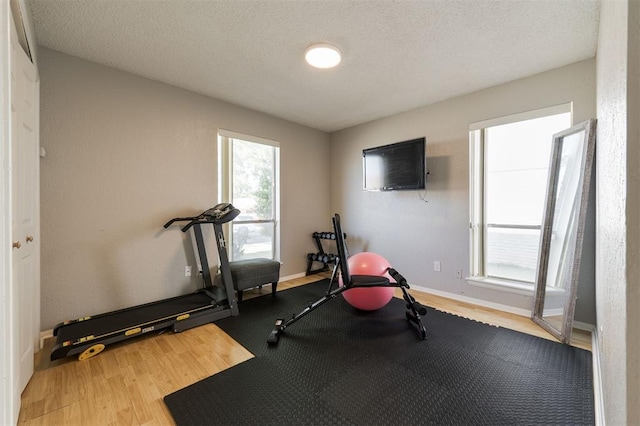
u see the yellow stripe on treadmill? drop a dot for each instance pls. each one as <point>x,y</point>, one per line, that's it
<point>182,317</point>
<point>132,331</point>
<point>84,339</point>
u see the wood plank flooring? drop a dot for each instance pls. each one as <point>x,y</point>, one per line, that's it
<point>125,383</point>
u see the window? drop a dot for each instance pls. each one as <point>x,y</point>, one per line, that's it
<point>248,174</point>
<point>509,161</point>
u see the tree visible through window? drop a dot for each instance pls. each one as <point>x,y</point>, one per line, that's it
<point>249,181</point>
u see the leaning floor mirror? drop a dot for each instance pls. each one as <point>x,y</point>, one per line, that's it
<point>563,229</point>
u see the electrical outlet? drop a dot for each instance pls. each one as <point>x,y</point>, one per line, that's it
<point>459,273</point>
<point>187,271</point>
<point>436,266</point>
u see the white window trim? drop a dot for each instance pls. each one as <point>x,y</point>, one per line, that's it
<point>522,116</point>
<point>477,245</point>
<point>249,138</point>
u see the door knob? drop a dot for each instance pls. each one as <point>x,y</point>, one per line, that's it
<point>16,244</point>
<point>29,238</point>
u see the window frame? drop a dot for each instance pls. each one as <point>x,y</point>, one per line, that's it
<point>477,205</point>
<point>225,184</point>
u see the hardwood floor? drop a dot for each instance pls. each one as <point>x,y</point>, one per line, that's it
<point>125,384</point>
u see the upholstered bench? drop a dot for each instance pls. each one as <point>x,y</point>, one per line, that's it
<point>251,273</point>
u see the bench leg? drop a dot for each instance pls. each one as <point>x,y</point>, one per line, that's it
<point>239,296</point>
<point>274,286</point>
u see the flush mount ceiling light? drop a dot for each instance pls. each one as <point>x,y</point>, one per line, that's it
<point>322,55</point>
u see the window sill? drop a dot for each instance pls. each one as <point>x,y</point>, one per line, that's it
<point>502,285</point>
<point>509,286</point>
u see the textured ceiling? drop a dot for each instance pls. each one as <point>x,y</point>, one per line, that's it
<point>397,55</point>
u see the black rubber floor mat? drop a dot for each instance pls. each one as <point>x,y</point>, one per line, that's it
<point>339,365</point>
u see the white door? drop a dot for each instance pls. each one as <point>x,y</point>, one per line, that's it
<point>25,226</point>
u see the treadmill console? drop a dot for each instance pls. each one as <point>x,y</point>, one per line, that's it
<point>221,213</point>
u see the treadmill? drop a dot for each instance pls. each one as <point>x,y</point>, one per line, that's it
<point>88,336</point>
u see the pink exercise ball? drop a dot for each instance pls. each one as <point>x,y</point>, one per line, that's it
<point>373,298</point>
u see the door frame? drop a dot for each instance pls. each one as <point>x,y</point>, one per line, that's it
<point>9,402</point>
<point>9,394</point>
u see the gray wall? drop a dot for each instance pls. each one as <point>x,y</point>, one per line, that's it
<point>412,233</point>
<point>618,219</point>
<point>124,155</point>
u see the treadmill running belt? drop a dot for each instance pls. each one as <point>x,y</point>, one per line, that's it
<point>133,317</point>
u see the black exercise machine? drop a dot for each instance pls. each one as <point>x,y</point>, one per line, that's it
<point>415,310</point>
<point>88,336</point>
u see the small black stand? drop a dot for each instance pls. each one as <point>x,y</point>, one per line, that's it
<point>321,256</point>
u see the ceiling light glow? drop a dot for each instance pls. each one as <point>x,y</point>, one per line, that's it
<point>322,55</point>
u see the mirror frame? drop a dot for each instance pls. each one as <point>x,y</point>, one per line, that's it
<point>587,152</point>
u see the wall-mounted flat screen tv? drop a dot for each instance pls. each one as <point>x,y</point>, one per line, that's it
<point>398,166</point>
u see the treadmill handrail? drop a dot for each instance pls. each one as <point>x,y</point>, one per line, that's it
<point>178,219</point>
<point>221,213</point>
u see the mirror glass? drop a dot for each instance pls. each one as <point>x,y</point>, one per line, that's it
<point>563,228</point>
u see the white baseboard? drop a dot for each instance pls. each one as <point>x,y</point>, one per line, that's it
<point>500,307</point>
<point>47,334</point>
<point>44,335</point>
<point>292,277</point>
<point>479,302</point>
<point>584,326</point>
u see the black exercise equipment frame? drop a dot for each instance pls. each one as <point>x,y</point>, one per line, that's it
<point>208,304</point>
<point>415,310</point>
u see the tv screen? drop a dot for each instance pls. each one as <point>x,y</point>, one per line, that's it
<point>398,166</point>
